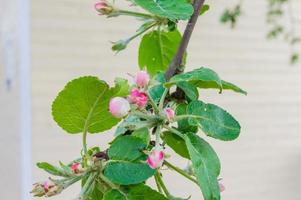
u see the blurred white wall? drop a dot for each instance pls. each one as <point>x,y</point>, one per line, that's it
<point>70,40</point>
<point>10,142</point>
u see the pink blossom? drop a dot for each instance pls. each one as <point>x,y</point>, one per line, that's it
<point>155,158</point>
<point>142,79</point>
<point>119,107</point>
<point>221,185</point>
<point>170,113</point>
<point>75,167</point>
<point>139,98</point>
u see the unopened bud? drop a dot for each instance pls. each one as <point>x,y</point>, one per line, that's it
<point>41,189</point>
<point>170,113</point>
<point>56,189</point>
<point>142,79</point>
<point>103,7</point>
<point>119,107</point>
<point>155,159</point>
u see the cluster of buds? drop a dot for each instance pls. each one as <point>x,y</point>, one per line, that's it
<point>120,107</point>
<point>46,188</point>
<point>104,8</point>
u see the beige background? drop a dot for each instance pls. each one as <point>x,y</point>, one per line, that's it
<point>70,40</point>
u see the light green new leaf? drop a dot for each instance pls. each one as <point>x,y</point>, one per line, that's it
<point>127,173</point>
<point>157,49</point>
<point>176,143</point>
<point>56,171</point>
<point>214,121</point>
<point>206,165</point>
<point>128,148</point>
<point>143,192</point>
<point>204,9</point>
<point>121,88</point>
<point>83,105</point>
<point>171,9</point>
<point>113,195</point>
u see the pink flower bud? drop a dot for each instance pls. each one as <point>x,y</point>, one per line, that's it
<point>138,98</point>
<point>75,167</point>
<point>41,189</point>
<point>46,186</point>
<point>103,7</point>
<point>221,185</point>
<point>170,113</point>
<point>119,107</point>
<point>155,158</point>
<point>142,79</point>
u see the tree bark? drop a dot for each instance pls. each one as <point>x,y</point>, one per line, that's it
<point>176,65</point>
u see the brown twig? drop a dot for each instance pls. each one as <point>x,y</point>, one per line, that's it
<point>175,66</point>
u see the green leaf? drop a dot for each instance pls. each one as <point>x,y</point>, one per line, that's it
<point>128,148</point>
<point>122,127</point>
<point>189,89</point>
<point>204,9</point>
<point>56,171</point>
<point>83,105</point>
<point>171,9</point>
<point>132,123</point>
<point>206,165</point>
<point>204,78</point>
<point>226,86</point>
<point>198,76</point>
<point>176,143</point>
<point>214,121</point>
<point>141,191</point>
<point>157,91</point>
<point>127,173</point>
<point>184,125</point>
<point>113,195</point>
<point>142,134</point>
<point>157,49</point>
<point>231,86</point>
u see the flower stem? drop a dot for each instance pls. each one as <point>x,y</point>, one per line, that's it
<point>161,183</point>
<point>175,131</point>
<point>180,117</point>
<point>158,185</point>
<point>180,171</point>
<point>84,157</point>
<point>109,183</point>
<point>161,103</point>
<point>154,104</point>
<point>85,142</point>
<point>157,134</point>
<point>131,13</point>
